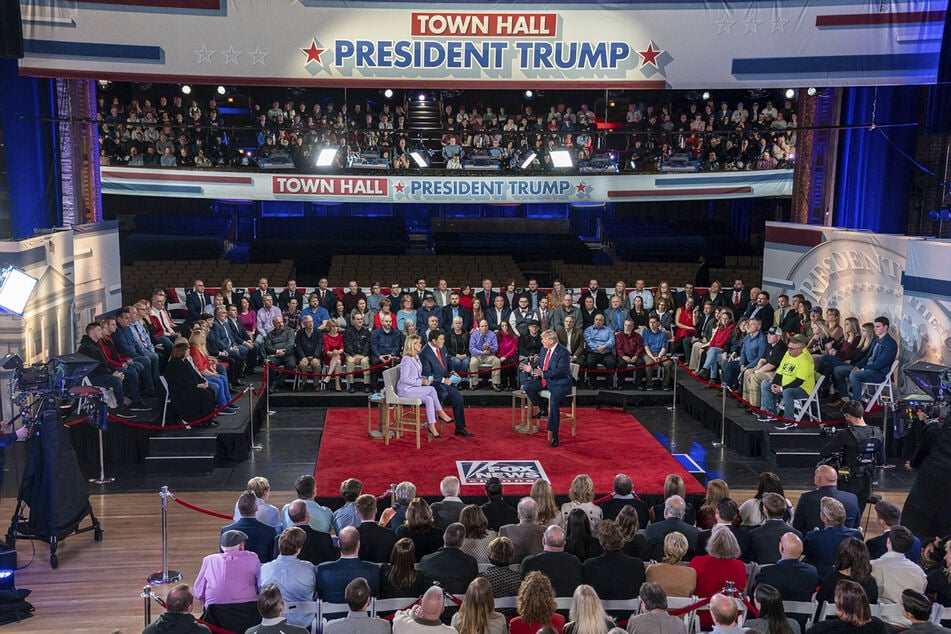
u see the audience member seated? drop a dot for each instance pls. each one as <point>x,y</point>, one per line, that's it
<point>178,617</point>
<point>672,574</point>
<point>888,515</point>
<point>719,566</point>
<point>674,509</point>
<point>318,546</point>
<point>853,615</point>
<point>189,393</point>
<point>400,577</point>
<point>772,616</point>
<point>478,535</point>
<point>505,581</point>
<point>893,572</point>
<point>295,577</point>
<point>820,547</point>
<point>497,512</point>
<point>271,607</point>
<point>724,615</point>
<point>449,565</point>
<point>357,621</point>
<point>563,569</point>
<point>231,576</point>
<point>447,510</point>
<point>117,380</point>
<point>424,617</point>
<point>871,368</point>
<point>333,576</point>
<point>851,563</point>
<point>654,618</point>
<point>586,613</point>
<point>420,526</point>
<point>477,612</point>
<point>726,515</point>
<point>266,513</point>
<point>613,575</point>
<point>825,478</point>
<point>528,533</point>
<point>753,511</point>
<point>259,535</point>
<point>395,516</point>
<point>346,515</point>
<point>376,542</point>
<point>321,517</point>
<point>635,544</point>
<point>536,606</point>
<point>578,537</point>
<point>796,580</point>
<point>916,608</point>
<point>656,355</point>
<point>765,539</point>
<point>624,496</point>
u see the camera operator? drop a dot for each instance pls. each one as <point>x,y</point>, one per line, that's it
<point>8,437</point>
<point>927,509</point>
<point>860,447</point>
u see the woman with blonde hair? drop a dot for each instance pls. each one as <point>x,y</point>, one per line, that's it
<point>717,490</point>
<point>413,384</point>
<point>478,535</point>
<point>581,496</point>
<point>545,499</point>
<point>536,606</point>
<point>477,613</point>
<point>406,312</point>
<point>677,579</point>
<point>420,527</point>
<point>587,614</point>
<point>207,368</point>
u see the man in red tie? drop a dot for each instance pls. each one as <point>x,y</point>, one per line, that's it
<point>433,358</point>
<point>553,374</point>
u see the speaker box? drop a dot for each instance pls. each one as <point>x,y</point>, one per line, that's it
<point>11,30</point>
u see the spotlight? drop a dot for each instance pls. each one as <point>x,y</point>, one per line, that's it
<point>221,90</point>
<point>811,91</point>
<point>561,158</point>
<point>388,93</point>
<point>186,89</point>
<point>419,157</point>
<point>104,83</point>
<point>705,95</point>
<point>326,157</point>
<point>790,93</point>
<point>15,289</point>
<point>527,161</point>
<point>421,97</point>
<point>529,94</point>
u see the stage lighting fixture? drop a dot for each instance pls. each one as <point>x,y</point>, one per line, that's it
<point>15,290</point>
<point>527,161</point>
<point>7,581</point>
<point>529,94</point>
<point>221,90</point>
<point>705,95</point>
<point>388,93</point>
<point>326,156</point>
<point>790,93</point>
<point>419,157</point>
<point>421,97</point>
<point>561,158</point>
<point>811,91</point>
<point>186,89</point>
<point>104,83</point>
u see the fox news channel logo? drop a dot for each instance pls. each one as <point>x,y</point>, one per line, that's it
<point>477,472</point>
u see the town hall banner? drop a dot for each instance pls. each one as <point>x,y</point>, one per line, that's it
<point>633,44</point>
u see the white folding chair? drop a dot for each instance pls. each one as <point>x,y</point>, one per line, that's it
<point>695,625</point>
<point>804,608</point>
<point>878,389</point>
<point>826,611</point>
<point>677,603</point>
<point>572,396</point>
<point>809,407</point>
<point>304,607</point>
<point>168,399</point>
<point>940,613</point>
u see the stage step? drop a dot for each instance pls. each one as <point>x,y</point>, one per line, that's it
<point>792,458</point>
<point>796,447</point>
<point>180,454</point>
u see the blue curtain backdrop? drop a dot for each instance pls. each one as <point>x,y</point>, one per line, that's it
<point>27,107</point>
<point>873,176</point>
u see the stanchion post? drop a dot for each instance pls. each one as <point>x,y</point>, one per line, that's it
<point>266,382</point>
<point>722,442</point>
<point>164,575</point>
<point>102,479</point>
<point>254,447</point>
<point>673,405</point>
<point>147,604</point>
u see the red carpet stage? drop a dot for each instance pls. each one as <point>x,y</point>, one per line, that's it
<point>608,442</point>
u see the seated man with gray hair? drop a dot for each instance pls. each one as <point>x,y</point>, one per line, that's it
<point>562,569</point>
<point>395,516</point>
<point>674,509</point>
<point>450,566</point>
<point>654,618</point>
<point>423,617</point>
<point>447,510</point>
<point>820,547</point>
<point>527,535</point>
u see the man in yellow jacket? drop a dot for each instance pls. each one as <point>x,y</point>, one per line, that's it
<point>794,379</point>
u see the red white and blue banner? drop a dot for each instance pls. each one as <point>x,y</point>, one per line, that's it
<point>412,188</point>
<point>457,44</point>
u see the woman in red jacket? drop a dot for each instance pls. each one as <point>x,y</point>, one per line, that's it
<point>508,353</point>
<point>718,340</point>
<point>718,567</point>
<point>333,352</point>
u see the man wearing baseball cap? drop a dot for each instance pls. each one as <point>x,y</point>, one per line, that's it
<point>794,379</point>
<point>230,576</point>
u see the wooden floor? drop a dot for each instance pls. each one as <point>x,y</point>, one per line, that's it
<point>97,586</point>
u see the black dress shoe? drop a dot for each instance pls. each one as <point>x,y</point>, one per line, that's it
<point>554,442</point>
<point>542,413</point>
<point>464,432</point>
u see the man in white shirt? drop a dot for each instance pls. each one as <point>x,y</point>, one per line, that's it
<point>893,572</point>
<point>646,296</point>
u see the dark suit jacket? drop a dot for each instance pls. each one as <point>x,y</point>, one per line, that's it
<point>795,580</point>
<point>285,297</point>
<point>680,298</point>
<point>463,312</point>
<point>256,298</point>
<point>562,569</point>
<point>877,547</point>
<point>765,540</point>
<point>487,299</point>
<point>600,298</point>
<point>318,547</point>
<point>819,548</point>
<point>376,542</point>
<point>445,512</point>
<point>329,301</point>
<point>791,322</point>
<point>492,317</point>
<point>806,517</point>
<point>614,575</point>
<point>451,567</point>
<point>526,536</point>
<point>765,314</point>
<point>333,577</point>
<point>577,340</point>
<point>431,365</point>
<point>559,368</point>
<point>260,537</point>
<point>611,508</point>
<point>194,305</point>
<point>499,514</point>
<point>656,532</point>
<point>742,538</point>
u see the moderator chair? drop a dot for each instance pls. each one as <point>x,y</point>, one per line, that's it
<point>390,379</point>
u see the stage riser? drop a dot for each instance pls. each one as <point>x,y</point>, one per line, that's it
<point>156,465</point>
<point>480,398</point>
<point>166,446</point>
<point>796,458</point>
<point>802,441</point>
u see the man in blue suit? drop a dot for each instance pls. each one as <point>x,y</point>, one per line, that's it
<point>820,547</point>
<point>333,576</point>
<point>434,359</point>
<point>196,300</point>
<point>553,374</point>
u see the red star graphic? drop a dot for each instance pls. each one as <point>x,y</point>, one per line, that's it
<point>581,187</point>
<point>313,53</point>
<point>399,187</point>
<point>650,55</point>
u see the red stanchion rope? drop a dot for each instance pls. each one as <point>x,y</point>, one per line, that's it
<point>751,609</point>
<point>200,509</point>
<point>762,412</point>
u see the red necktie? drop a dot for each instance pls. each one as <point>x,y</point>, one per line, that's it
<point>545,367</point>
<point>736,299</point>
<point>544,322</point>
<point>439,356</point>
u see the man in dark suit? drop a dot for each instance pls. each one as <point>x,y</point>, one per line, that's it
<point>595,291</point>
<point>496,313</point>
<point>674,509</point>
<point>624,496</point>
<point>451,567</point>
<point>453,309</point>
<point>766,538</point>
<point>553,374</point>
<point>496,511</point>
<point>888,515</point>
<point>785,316</point>
<point>486,296</point>
<point>333,576</point>
<point>260,536</point>
<point>725,512</point>
<point>243,339</point>
<point>434,359</point>
<point>821,547</point>
<point>613,574</point>
<point>446,511</point>
<point>527,535</point>
<point>761,309</point>
<point>737,299</point>
<point>562,569</point>
<point>825,478</point>
<point>318,546</point>
<point>220,339</point>
<point>325,296</point>
<point>196,301</point>
<point>689,292</point>
<point>256,299</point>
<point>795,580</point>
<point>376,542</point>
<point>290,291</point>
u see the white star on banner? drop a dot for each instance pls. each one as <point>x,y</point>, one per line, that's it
<point>231,55</point>
<point>204,55</point>
<point>725,25</point>
<point>257,56</point>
